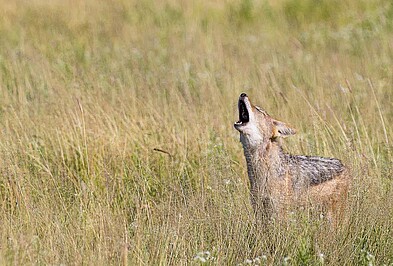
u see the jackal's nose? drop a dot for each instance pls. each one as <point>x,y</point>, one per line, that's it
<point>243,95</point>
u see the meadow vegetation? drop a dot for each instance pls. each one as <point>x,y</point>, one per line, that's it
<point>117,143</point>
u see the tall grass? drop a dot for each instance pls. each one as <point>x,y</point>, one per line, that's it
<point>116,138</point>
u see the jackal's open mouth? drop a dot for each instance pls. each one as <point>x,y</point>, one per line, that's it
<point>243,113</point>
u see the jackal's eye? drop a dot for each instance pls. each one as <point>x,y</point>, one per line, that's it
<point>260,110</point>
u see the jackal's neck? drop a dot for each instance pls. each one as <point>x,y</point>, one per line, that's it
<point>264,163</point>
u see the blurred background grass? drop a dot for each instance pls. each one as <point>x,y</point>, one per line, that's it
<point>90,88</point>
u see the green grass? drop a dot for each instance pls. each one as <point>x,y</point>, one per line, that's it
<point>88,90</point>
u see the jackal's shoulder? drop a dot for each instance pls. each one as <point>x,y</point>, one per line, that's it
<point>314,170</point>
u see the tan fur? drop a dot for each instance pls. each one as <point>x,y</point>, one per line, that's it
<point>280,182</point>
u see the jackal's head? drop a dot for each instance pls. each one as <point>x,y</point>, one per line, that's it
<point>256,127</point>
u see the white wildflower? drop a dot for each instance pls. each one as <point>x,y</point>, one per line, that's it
<point>248,261</point>
<point>286,260</point>
<point>321,257</point>
<point>200,259</point>
<point>204,256</point>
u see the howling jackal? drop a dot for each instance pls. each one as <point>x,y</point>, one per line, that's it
<point>280,181</point>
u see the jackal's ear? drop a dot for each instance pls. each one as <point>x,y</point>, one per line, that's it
<point>280,129</point>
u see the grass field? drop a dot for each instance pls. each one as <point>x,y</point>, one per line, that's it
<point>89,89</point>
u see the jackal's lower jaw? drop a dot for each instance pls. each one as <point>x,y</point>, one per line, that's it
<point>238,124</point>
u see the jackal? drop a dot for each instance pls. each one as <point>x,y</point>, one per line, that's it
<point>279,181</point>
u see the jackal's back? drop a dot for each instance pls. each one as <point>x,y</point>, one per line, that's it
<point>312,170</point>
